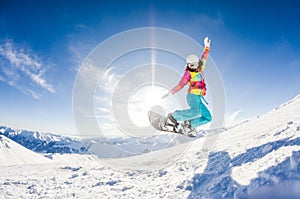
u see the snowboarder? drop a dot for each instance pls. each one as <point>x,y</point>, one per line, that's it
<point>197,114</point>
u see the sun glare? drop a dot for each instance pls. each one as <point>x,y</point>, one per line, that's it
<point>142,100</point>
<point>153,97</point>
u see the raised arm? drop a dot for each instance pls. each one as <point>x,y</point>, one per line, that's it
<point>205,52</point>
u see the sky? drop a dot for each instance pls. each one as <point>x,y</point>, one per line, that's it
<point>255,45</point>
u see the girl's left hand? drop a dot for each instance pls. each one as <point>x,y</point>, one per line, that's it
<point>166,95</point>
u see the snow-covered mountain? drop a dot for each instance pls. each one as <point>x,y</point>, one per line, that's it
<point>257,159</point>
<point>44,142</point>
<point>51,143</point>
<point>11,153</point>
<point>130,146</point>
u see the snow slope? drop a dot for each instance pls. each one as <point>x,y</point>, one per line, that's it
<point>12,153</point>
<point>257,159</point>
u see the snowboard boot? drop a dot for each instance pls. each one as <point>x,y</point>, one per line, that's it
<point>171,121</point>
<point>188,130</point>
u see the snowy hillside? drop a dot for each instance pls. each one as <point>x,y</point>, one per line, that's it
<point>257,159</point>
<point>12,153</point>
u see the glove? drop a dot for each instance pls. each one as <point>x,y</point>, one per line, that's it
<point>207,42</point>
<point>167,95</point>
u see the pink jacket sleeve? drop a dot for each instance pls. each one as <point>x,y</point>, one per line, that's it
<point>184,80</point>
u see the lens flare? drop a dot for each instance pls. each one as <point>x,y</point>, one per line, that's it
<point>142,100</point>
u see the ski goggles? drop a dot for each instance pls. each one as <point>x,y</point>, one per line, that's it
<point>194,65</point>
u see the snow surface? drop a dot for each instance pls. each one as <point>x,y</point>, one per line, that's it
<point>256,159</point>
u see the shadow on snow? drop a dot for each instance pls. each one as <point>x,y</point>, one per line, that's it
<point>280,181</point>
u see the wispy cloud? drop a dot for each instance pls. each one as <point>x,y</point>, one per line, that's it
<point>23,69</point>
<point>79,51</point>
<point>104,96</point>
<point>295,63</point>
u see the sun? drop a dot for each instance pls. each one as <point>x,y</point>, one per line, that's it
<point>142,100</point>
<point>153,96</point>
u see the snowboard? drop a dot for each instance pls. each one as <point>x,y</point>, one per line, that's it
<point>160,123</point>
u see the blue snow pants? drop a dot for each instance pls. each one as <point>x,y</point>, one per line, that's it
<point>198,114</point>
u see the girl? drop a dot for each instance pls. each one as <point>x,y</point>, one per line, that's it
<point>197,114</point>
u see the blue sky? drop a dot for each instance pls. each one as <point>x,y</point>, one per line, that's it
<point>255,44</point>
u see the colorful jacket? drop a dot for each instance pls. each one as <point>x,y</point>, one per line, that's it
<point>195,79</point>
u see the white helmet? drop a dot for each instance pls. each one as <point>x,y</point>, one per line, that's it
<point>192,61</point>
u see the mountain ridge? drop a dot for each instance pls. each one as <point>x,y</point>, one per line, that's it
<point>12,153</point>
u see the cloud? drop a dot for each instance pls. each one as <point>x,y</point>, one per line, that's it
<point>79,52</point>
<point>23,69</point>
<point>104,95</point>
<point>295,63</point>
